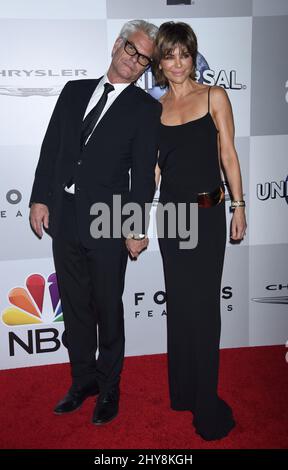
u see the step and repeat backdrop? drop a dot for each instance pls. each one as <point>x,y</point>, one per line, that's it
<point>243,48</point>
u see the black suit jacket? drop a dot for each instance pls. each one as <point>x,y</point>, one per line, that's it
<point>125,139</point>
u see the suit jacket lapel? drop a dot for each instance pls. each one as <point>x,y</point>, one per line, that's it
<point>77,107</point>
<point>84,96</point>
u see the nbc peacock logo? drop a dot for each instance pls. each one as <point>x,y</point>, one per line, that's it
<point>38,303</point>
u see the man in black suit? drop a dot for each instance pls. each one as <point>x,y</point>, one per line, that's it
<point>99,131</point>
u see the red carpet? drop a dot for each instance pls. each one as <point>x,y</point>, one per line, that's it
<point>254,381</point>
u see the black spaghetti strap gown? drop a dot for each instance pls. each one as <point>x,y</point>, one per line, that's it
<point>189,164</point>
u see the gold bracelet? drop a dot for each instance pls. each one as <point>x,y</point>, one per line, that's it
<point>235,204</point>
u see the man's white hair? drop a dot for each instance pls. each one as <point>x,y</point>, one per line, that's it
<point>138,25</point>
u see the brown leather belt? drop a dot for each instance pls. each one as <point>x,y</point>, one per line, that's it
<point>211,199</point>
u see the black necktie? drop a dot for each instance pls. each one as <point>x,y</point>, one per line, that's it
<point>92,118</point>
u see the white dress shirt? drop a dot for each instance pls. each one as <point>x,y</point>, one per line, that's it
<point>118,88</point>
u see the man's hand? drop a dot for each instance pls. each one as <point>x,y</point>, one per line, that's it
<point>39,215</point>
<point>136,246</point>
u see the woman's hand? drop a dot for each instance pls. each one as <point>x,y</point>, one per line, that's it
<point>238,224</point>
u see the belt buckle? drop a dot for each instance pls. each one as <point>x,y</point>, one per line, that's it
<point>210,199</point>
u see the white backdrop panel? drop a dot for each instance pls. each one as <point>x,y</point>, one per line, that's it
<point>268,295</point>
<point>42,56</point>
<point>268,189</point>
<point>66,9</point>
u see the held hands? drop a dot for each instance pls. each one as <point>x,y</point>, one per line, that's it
<point>238,224</point>
<point>135,247</point>
<point>39,215</point>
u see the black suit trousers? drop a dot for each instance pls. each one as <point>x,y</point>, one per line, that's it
<point>91,284</point>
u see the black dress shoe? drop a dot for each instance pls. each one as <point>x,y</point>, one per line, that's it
<point>107,407</point>
<point>74,399</point>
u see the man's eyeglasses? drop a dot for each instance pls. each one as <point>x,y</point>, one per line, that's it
<point>141,58</point>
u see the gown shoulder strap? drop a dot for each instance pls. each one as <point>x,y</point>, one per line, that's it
<point>209,89</point>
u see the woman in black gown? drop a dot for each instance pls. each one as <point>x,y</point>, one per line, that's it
<point>196,137</point>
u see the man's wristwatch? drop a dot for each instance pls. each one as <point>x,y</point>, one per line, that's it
<point>136,236</point>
